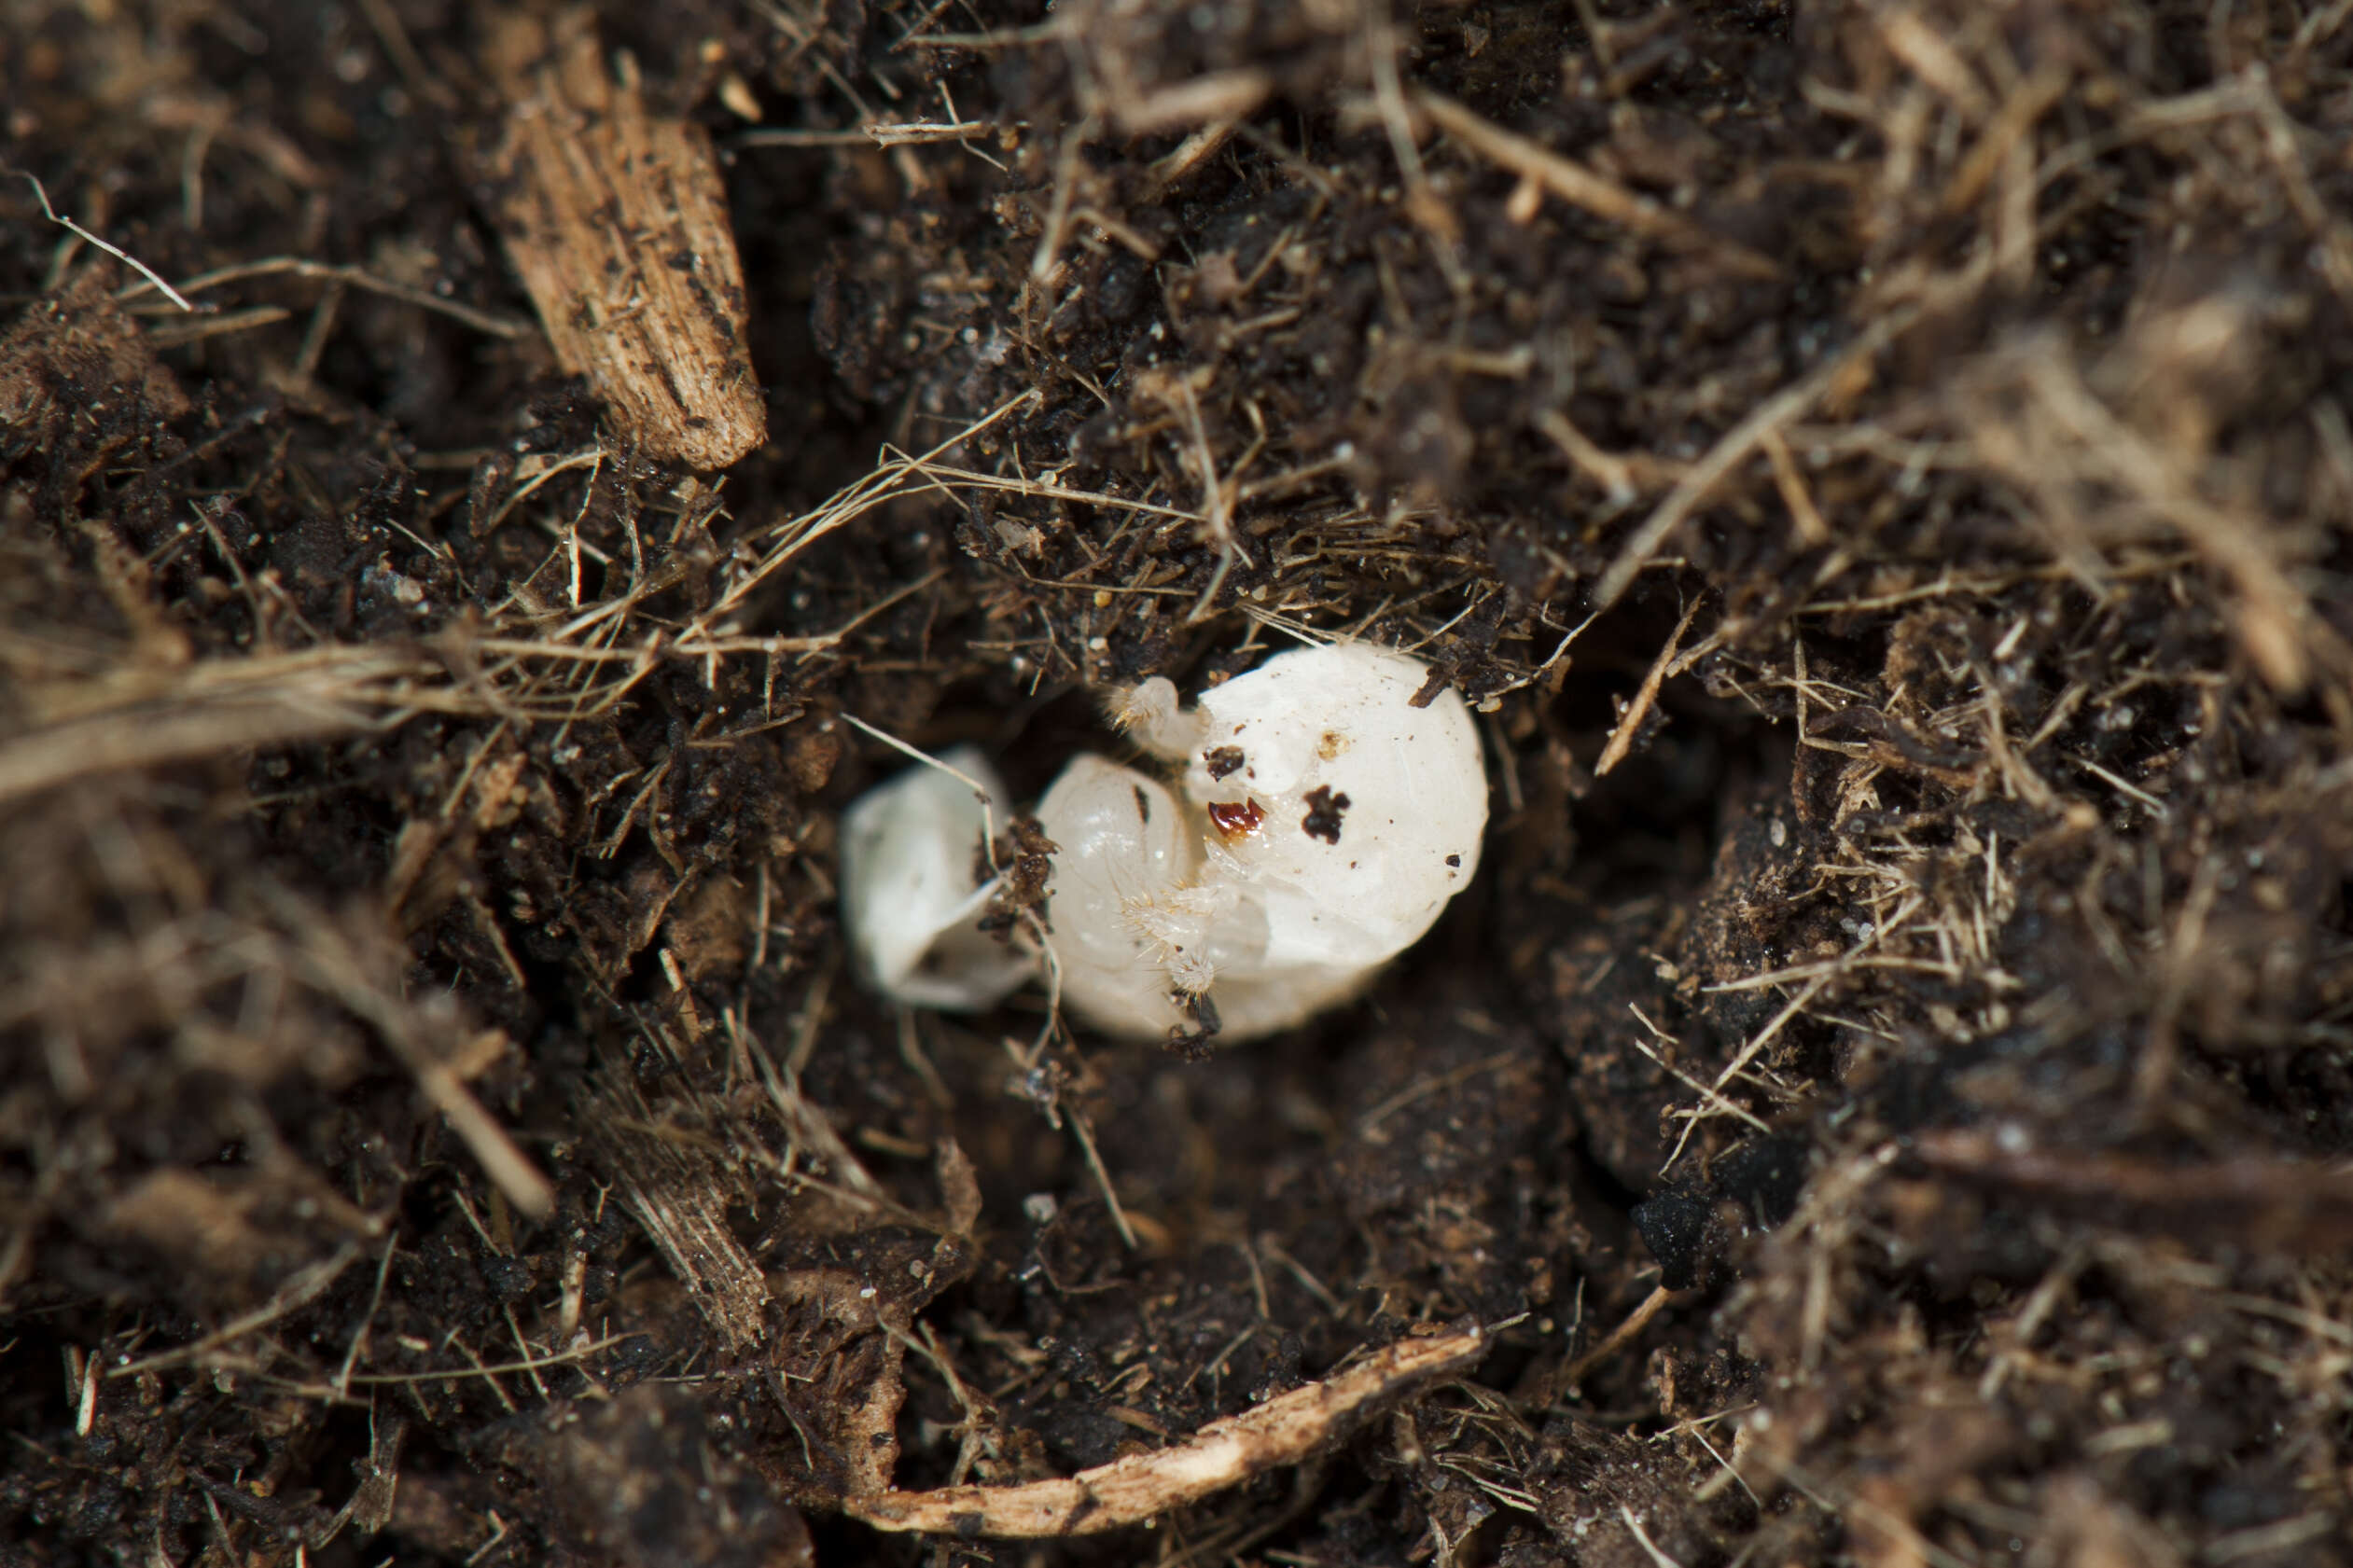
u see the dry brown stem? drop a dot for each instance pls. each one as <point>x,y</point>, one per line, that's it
<point>2260,1203</point>
<point>332,963</point>
<point>679,1185</point>
<point>1620,1336</point>
<point>1770,416</point>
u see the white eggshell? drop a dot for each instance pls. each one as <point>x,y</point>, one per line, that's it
<point>911,901</point>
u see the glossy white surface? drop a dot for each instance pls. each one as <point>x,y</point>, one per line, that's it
<point>1319,826</point>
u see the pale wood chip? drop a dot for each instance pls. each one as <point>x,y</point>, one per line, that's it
<point>617,220</point>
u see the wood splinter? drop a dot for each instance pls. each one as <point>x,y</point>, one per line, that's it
<point>1283,1431</point>
<point>616,218</point>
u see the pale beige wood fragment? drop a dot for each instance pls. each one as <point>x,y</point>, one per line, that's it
<point>617,220</point>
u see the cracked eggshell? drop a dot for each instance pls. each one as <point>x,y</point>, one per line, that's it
<point>1356,816</point>
<point>911,901</point>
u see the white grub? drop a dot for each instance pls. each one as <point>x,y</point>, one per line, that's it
<point>1318,826</point>
<point>911,899</point>
<point>1327,822</point>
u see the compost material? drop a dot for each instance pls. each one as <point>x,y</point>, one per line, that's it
<point>484,487</point>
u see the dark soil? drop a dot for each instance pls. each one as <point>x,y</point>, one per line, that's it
<point>1889,1090</point>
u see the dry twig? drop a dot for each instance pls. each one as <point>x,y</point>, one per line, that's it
<point>1579,187</point>
<point>1283,1431</point>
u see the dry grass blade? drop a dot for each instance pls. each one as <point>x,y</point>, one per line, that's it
<point>1736,444</point>
<point>1630,723</point>
<point>211,709</point>
<point>115,251</point>
<point>2260,1203</point>
<point>1620,1336</point>
<point>1579,187</point>
<point>353,277</point>
<point>900,474</point>
<point>299,1292</point>
<point>330,961</point>
<point>2275,618</point>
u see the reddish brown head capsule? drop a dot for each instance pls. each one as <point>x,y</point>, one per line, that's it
<point>1233,818</point>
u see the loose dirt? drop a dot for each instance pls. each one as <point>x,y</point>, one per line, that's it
<point>1881,472</point>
